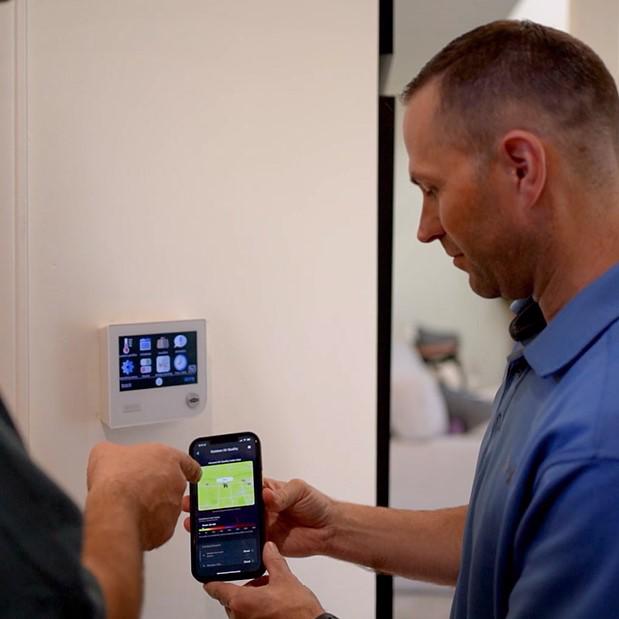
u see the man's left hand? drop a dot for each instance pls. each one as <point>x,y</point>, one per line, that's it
<point>280,595</point>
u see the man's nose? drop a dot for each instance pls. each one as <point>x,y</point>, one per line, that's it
<point>429,228</point>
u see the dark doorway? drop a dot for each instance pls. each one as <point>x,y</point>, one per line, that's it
<point>386,128</point>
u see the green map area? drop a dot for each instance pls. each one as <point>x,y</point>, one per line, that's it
<point>226,485</point>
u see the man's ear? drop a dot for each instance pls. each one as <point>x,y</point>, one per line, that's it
<point>524,159</point>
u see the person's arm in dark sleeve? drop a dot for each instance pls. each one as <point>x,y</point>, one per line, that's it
<point>133,504</point>
<point>41,574</point>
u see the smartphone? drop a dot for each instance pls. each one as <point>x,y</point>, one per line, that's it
<point>226,508</point>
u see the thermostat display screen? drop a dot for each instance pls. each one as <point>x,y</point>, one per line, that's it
<point>150,361</point>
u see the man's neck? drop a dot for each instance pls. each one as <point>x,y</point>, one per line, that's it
<point>585,247</point>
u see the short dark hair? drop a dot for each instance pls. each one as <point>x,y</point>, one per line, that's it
<point>520,64</point>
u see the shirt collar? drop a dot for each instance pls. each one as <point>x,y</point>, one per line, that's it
<point>576,325</point>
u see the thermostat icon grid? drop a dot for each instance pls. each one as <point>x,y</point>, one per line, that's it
<point>153,372</point>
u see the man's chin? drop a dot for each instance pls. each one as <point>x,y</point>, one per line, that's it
<point>483,288</point>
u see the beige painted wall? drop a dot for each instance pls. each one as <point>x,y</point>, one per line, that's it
<point>210,159</point>
<point>7,202</point>
<point>597,23</point>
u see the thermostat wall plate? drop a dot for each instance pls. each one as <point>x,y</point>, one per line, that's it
<point>152,372</point>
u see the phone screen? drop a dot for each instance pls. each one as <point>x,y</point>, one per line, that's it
<point>226,510</point>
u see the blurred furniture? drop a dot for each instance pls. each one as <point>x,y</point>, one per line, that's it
<point>431,466</point>
<point>438,348</point>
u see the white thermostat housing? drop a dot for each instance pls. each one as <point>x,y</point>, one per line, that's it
<point>152,372</point>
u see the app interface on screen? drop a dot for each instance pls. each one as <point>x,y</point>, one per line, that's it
<point>228,530</point>
<point>157,360</point>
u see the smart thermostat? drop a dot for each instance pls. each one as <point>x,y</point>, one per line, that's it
<point>152,372</point>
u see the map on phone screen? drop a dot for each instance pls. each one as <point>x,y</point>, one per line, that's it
<point>226,485</point>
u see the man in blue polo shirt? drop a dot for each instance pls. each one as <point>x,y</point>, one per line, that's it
<point>512,132</point>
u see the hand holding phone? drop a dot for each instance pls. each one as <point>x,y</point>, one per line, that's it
<point>300,517</point>
<point>280,596</point>
<point>226,509</point>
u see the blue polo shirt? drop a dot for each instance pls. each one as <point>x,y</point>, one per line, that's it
<point>542,532</point>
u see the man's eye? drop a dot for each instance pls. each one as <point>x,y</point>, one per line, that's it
<point>427,191</point>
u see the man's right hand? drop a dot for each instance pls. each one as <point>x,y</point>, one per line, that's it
<point>280,595</point>
<point>300,518</point>
<point>149,480</point>
<point>416,544</point>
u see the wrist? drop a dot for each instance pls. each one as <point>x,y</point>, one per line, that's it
<point>309,605</point>
<point>332,528</point>
<point>111,498</point>
<point>313,611</point>
<point>111,549</point>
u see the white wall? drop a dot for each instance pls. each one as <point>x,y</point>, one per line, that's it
<point>597,23</point>
<point>210,159</point>
<point>422,28</point>
<point>7,201</point>
<point>553,13</point>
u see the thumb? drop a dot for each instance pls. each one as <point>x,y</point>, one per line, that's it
<point>221,591</point>
<point>191,469</point>
<point>274,562</point>
<point>286,496</point>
